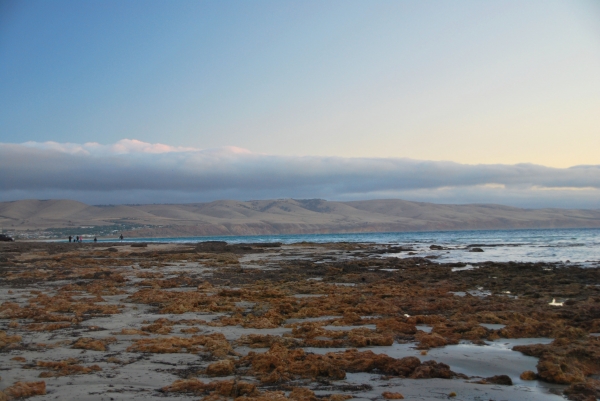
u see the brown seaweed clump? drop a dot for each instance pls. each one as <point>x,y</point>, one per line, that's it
<point>67,367</point>
<point>130,332</point>
<point>266,341</point>
<point>316,336</point>
<point>182,302</point>
<point>24,390</point>
<point>47,326</point>
<point>223,367</point>
<point>6,340</point>
<point>392,396</point>
<point>281,364</point>
<point>93,344</point>
<point>159,326</point>
<point>215,344</point>
<point>44,308</point>
<point>227,388</point>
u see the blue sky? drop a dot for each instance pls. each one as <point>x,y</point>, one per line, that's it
<point>470,82</point>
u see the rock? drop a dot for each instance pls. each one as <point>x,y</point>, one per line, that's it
<point>565,361</point>
<point>586,391</point>
<point>224,367</point>
<point>499,379</point>
<point>224,247</point>
<point>554,370</point>
<point>475,250</point>
<point>534,329</point>
<point>265,244</point>
<point>432,370</point>
<point>395,326</point>
<point>401,367</point>
<point>364,338</point>
<point>432,340</point>
<point>528,375</point>
<point>6,238</point>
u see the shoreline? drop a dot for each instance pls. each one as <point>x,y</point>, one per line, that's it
<point>569,247</point>
<point>131,237</point>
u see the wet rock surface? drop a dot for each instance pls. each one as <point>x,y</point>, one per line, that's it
<point>226,321</point>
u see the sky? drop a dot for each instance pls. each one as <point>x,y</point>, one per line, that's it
<point>188,101</point>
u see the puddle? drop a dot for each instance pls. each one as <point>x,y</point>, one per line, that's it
<point>244,304</point>
<point>467,267</point>
<point>258,267</point>
<point>476,293</point>
<point>438,389</point>
<point>312,319</point>
<point>348,328</point>
<point>424,327</point>
<point>494,358</point>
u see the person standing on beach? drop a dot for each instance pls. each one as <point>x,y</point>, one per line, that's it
<point>121,237</point>
<point>95,239</point>
<point>70,238</point>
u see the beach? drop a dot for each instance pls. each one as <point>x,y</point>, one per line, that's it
<point>300,321</point>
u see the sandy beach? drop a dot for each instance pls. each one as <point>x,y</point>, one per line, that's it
<point>212,321</point>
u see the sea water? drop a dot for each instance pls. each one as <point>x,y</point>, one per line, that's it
<point>569,246</point>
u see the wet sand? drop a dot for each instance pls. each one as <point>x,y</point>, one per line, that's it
<point>304,322</point>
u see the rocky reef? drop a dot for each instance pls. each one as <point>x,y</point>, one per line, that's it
<point>284,322</point>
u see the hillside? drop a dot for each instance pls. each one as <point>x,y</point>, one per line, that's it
<point>282,216</point>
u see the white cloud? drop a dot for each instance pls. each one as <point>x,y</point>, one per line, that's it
<point>163,173</point>
<point>124,146</point>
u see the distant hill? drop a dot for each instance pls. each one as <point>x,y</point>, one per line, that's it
<point>284,216</point>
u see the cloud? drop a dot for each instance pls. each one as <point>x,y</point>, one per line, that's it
<point>124,146</point>
<point>161,173</point>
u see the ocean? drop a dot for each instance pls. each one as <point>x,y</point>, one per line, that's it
<point>569,246</point>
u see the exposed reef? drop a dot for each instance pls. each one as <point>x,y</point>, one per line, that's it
<point>287,322</point>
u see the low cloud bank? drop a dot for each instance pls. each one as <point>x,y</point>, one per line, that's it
<point>132,171</point>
